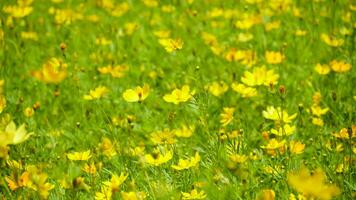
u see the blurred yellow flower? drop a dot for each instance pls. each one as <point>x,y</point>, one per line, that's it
<point>90,168</point>
<point>163,137</point>
<point>217,89</point>
<point>29,35</point>
<point>312,185</point>
<point>133,195</point>
<point>53,71</point>
<point>2,103</point>
<point>238,158</point>
<point>331,41</point>
<point>162,33</point>
<point>188,163</point>
<point>29,112</point>
<point>273,144</point>
<point>260,76</point>
<point>277,114</point>
<point>18,11</point>
<point>179,95</point>
<point>97,93</point>
<point>267,194</point>
<point>13,135</point>
<point>157,158</point>
<point>296,147</point>
<point>345,133</point>
<point>138,94</point>
<point>274,57</point>
<point>184,131</point>
<point>15,183</point>
<point>318,121</point>
<point>84,155</point>
<point>318,111</point>
<point>107,147</point>
<point>285,131</point>
<point>194,194</point>
<point>322,69</point>
<point>227,116</point>
<point>244,37</point>
<point>171,45</point>
<point>243,90</point>
<point>116,181</point>
<point>340,66</point>
<point>117,71</point>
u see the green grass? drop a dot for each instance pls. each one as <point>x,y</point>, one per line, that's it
<point>82,124</point>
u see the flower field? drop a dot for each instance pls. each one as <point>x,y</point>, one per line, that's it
<point>177,99</point>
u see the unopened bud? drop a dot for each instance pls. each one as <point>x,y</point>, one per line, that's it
<point>282,89</point>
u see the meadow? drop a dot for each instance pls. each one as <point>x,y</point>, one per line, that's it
<point>177,99</point>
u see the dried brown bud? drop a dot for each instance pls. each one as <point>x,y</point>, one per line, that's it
<point>282,89</point>
<point>37,105</point>
<point>63,46</point>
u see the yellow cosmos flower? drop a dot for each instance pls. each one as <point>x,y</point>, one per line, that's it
<point>2,103</point>
<point>29,35</point>
<point>53,71</point>
<point>13,135</point>
<point>157,158</point>
<point>209,39</point>
<point>340,66</point>
<point>318,111</point>
<point>322,69</point>
<point>97,93</point>
<point>273,144</point>
<point>194,194</point>
<point>179,95</point>
<point>163,137</point>
<point>188,163</point>
<point>331,41</point>
<point>217,89</point>
<point>318,121</point>
<point>39,181</point>
<point>29,112</point>
<point>245,57</point>
<point>243,90</point>
<point>227,116</point>
<point>116,181</point>
<point>312,185</point>
<point>115,71</point>
<point>133,195</point>
<point>260,76</point>
<point>136,95</point>
<point>162,33</point>
<point>171,45</point>
<point>276,114</point>
<point>107,147</point>
<point>238,158</point>
<point>185,131</point>
<point>103,41</point>
<point>150,3</point>
<point>274,57</point>
<point>267,195</point>
<point>84,155</point>
<point>296,147</point>
<point>104,194</point>
<point>244,37</point>
<point>246,24</point>
<point>300,32</point>
<point>272,25</point>
<point>90,168</point>
<point>345,134</point>
<point>18,11</point>
<point>285,131</point>
<point>22,181</point>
